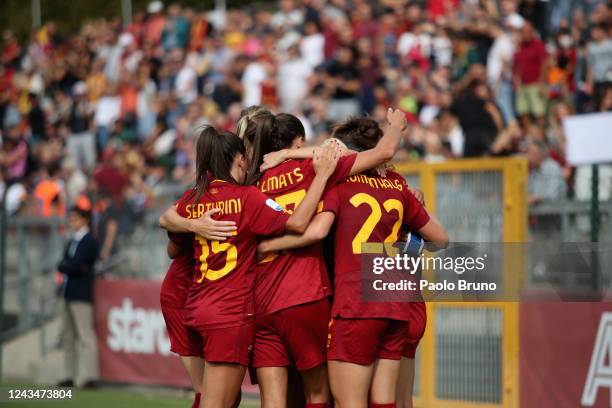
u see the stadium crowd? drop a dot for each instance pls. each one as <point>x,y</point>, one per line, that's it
<point>111,110</point>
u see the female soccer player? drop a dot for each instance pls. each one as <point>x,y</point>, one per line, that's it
<point>365,338</point>
<point>292,318</point>
<point>173,295</point>
<point>220,301</point>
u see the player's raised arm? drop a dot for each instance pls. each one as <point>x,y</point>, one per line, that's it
<point>204,226</point>
<point>386,147</point>
<point>381,153</point>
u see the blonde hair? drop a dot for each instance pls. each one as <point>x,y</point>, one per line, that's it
<point>247,115</point>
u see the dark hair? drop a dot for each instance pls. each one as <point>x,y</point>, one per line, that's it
<point>81,212</point>
<point>215,153</point>
<point>260,135</point>
<point>289,128</point>
<point>358,133</point>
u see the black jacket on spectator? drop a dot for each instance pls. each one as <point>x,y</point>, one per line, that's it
<point>79,269</point>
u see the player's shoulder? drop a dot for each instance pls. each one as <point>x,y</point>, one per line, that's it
<point>291,164</point>
<point>248,191</point>
<point>188,195</point>
<point>392,174</point>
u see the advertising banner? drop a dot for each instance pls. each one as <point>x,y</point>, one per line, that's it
<point>566,354</point>
<point>132,339</point>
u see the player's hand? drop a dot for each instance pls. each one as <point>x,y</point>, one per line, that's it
<point>325,160</point>
<point>211,229</point>
<point>273,159</point>
<point>338,145</point>
<point>397,118</point>
<point>418,194</point>
<point>262,251</point>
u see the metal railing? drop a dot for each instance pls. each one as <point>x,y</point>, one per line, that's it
<point>467,357</point>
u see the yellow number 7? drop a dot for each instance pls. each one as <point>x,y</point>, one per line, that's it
<point>231,256</point>
<point>375,215</point>
<point>294,198</point>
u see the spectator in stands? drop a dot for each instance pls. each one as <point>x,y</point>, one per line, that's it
<point>599,57</point>
<point>81,142</point>
<point>529,70</point>
<point>37,120</point>
<point>14,155</point>
<point>342,85</point>
<point>76,282</point>
<point>546,181</point>
<point>499,68</point>
<point>49,195</point>
<point>479,118</point>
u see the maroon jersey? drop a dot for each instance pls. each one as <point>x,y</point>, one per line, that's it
<point>177,281</point>
<point>221,294</point>
<point>368,209</point>
<point>299,276</point>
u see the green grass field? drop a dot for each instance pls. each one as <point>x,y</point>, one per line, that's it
<point>104,398</point>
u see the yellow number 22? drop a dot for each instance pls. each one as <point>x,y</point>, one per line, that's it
<point>375,215</point>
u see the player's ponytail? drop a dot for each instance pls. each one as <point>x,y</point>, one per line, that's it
<point>215,154</point>
<point>246,116</point>
<point>260,136</point>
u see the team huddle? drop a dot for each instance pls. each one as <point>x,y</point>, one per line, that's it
<point>249,286</point>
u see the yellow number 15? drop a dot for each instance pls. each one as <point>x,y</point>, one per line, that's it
<point>231,256</point>
<point>375,215</point>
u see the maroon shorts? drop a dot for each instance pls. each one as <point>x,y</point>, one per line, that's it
<point>294,335</point>
<point>229,344</point>
<point>416,329</point>
<point>183,340</point>
<point>362,341</point>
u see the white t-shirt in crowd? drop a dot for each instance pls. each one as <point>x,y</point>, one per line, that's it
<point>501,53</point>
<point>428,114</point>
<point>293,18</point>
<point>107,111</point>
<point>186,85</point>
<point>312,49</point>
<point>442,51</point>
<point>293,82</point>
<point>408,40</point>
<point>253,76</point>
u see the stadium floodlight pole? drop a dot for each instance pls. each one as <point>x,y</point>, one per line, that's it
<point>595,281</point>
<point>126,12</point>
<point>2,269</point>
<point>36,15</point>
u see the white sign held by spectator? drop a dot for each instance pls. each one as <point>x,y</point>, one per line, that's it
<point>588,138</point>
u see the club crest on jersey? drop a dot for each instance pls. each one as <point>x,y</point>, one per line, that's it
<point>274,205</point>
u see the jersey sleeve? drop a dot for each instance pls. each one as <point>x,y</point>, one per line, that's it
<point>264,215</point>
<point>343,169</point>
<point>330,201</point>
<point>415,216</point>
<point>181,204</point>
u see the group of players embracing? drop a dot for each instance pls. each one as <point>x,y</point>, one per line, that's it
<point>248,287</point>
